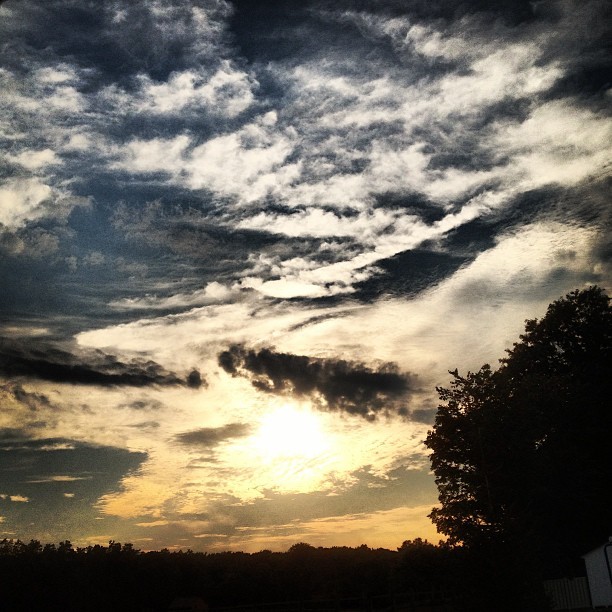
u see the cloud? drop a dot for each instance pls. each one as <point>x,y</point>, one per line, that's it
<point>146,425</point>
<point>490,101</point>
<point>346,137</point>
<point>144,404</point>
<point>33,401</point>
<point>228,92</point>
<point>378,529</point>
<point>154,155</point>
<point>333,385</point>
<point>194,380</point>
<point>183,34</point>
<point>14,498</point>
<point>213,293</point>
<point>48,362</point>
<point>247,163</point>
<point>209,437</point>
<point>397,231</point>
<point>24,200</point>
<point>560,143</point>
<point>59,477</point>
<point>35,160</point>
<point>229,523</point>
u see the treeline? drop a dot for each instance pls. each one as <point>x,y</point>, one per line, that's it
<point>119,577</point>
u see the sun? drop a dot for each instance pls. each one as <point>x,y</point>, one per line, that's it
<point>292,448</point>
<point>289,432</point>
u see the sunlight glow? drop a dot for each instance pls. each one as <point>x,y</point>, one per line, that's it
<point>290,433</point>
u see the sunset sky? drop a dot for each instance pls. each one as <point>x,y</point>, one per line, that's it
<point>242,242</point>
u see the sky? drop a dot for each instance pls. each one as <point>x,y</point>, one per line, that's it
<point>241,243</point>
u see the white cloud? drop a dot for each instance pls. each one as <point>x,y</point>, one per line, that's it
<point>213,293</point>
<point>49,92</point>
<point>429,42</point>
<point>154,155</point>
<point>287,288</point>
<point>335,165</point>
<point>59,478</point>
<point>35,160</point>
<point>208,327</point>
<point>242,163</point>
<point>382,234</point>
<point>22,499</point>
<point>469,318</point>
<point>510,72</point>
<point>330,108</point>
<point>558,143</point>
<point>77,141</point>
<point>246,163</point>
<point>63,73</point>
<point>94,258</point>
<point>316,222</point>
<point>228,92</point>
<point>66,99</point>
<point>23,200</point>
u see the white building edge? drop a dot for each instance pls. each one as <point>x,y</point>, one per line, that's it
<point>598,564</point>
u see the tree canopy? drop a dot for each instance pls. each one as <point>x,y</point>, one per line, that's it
<point>521,454</point>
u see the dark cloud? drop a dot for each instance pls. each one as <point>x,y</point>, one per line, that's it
<point>35,359</point>
<point>199,234</point>
<point>33,401</point>
<point>144,404</point>
<point>514,11</point>
<point>35,243</point>
<point>115,39</point>
<point>26,460</point>
<point>412,203</point>
<point>584,46</point>
<point>194,380</point>
<point>340,385</point>
<point>577,204</point>
<point>424,415</point>
<point>146,425</point>
<point>209,437</point>
<point>277,29</point>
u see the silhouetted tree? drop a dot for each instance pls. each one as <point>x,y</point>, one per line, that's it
<point>522,455</point>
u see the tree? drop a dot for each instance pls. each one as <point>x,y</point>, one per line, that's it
<point>522,454</point>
